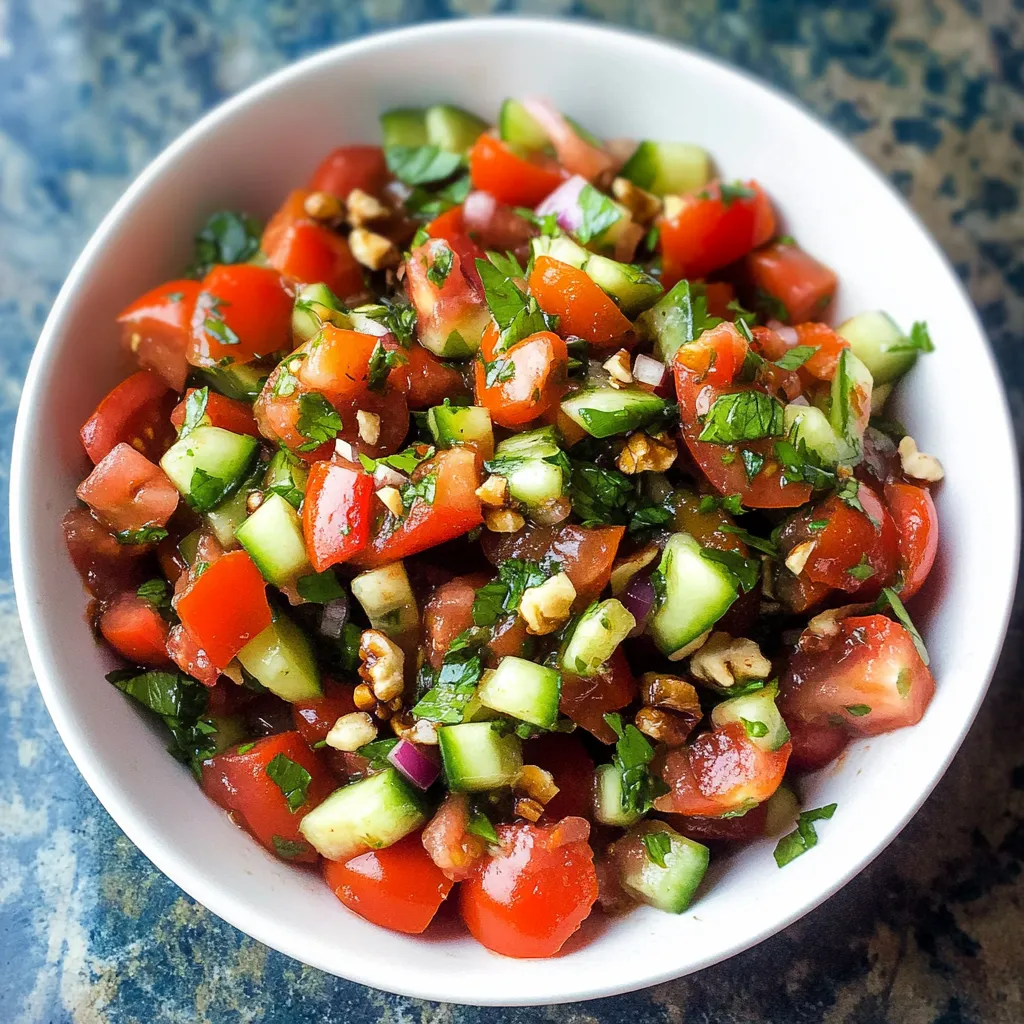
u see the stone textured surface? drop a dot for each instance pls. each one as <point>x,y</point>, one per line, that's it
<point>932,91</point>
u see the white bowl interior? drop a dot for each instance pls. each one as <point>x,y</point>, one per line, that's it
<point>247,155</point>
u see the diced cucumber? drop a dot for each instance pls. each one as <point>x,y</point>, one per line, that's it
<point>241,381</point>
<point>632,288</point>
<point>604,412</point>
<point>273,537</point>
<point>608,803</point>
<point>208,464</point>
<point>671,887</point>
<point>226,518</point>
<point>452,128</point>
<point>406,126</point>
<point>387,599</point>
<point>281,658</point>
<point>286,475</point>
<point>598,631</point>
<point>370,814</point>
<point>669,323</point>
<point>518,126</point>
<point>698,592</point>
<point>850,405</point>
<point>315,305</point>
<point>530,463</point>
<point>523,689</point>
<point>873,336</point>
<point>782,809</point>
<point>479,755</point>
<point>811,426</point>
<point>188,546</point>
<point>452,425</point>
<point>758,714</point>
<point>668,168</point>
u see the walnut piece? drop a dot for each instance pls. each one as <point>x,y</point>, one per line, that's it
<point>725,661</point>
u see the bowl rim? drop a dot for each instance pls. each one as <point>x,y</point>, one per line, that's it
<point>189,878</point>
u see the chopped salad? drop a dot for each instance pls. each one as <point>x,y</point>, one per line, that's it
<point>504,524</point>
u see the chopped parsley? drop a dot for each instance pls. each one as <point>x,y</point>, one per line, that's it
<point>195,410</point>
<point>743,416</point>
<point>404,461</point>
<point>143,535</point>
<point>382,362</point>
<point>320,587</point>
<point>502,595</point>
<point>227,237</point>
<point>736,190</point>
<point>421,165</point>
<point>318,421</point>
<point>597,214</point>
<point>289,849</point>
<point>419,490</point>
<point>753,463</point>
<point>919,340</point>
<point>440,266</point>
<point>747,571</point>
<point>657,845</point>
<point>291,778</point>
<point>453,688</point>
<point>398,317</point>
<point>796,357</point>
<point>205,490</point>
<point>762,544</point>
<point>480,825</point>
<point>516,314</point>
<point>633,753</point>
<point>798,842</point>
<point>754,729</point>
<point>863,570</point>
<point>892,599</point>
<point>157,592</point>
<point>858,710</point>
<point>377,752</point>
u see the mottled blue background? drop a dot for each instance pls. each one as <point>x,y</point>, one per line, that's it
<point>932,91</point>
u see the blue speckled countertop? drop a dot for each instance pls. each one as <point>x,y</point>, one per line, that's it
<point>932,91</point>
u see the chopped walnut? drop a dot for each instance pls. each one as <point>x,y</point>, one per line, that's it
<point>724,661</point>
<point>535,783</point>
<point>392,499</point>
<point>372,250</point>
<point>664,691</point>
<point>528,809</point>
<point>797,557</point>
<point>323,206</point>
<point>383,665</point>
<point>624,569</point>
<point>503,520</point>
<point>363,698</point>
<point>668,727</point>
<point>546,607</point>
<point>826,624</point>
<point>352,731</point>
<point>618,367</point>
<point>362,208</point>
<point>918,465</point>
<point>641,204</point>
<point>369,426</point>
<point>643,453</point>
<point>493,492</point>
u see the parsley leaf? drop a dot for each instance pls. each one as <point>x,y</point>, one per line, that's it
<point>480,825</point>
<point>796,357</point>
<point>404,461</point>
<point>320,587</point>
<point>144,535</point>
<point>802,465</point>
<point>376,752</point>
<point>755,730</point>
<point>598,213</point>
<point>318,420</point>
<point>919,340</point>
<point>419,490</point>
<point>890,597</point>
<point>657,844</point>
<point>502,595</point>
<point>773,307</point>
<point>767,547</point>
<point>600,496</point>
<point>157,592</point>
<point>289,849</point>
<point>746,570</point>
<point>456,682</point>
<point>398,317</point>
<point>227,237</point>
<point>736,190</point>
<point>440,266</point>
<point>516,314</point>
<point>420,165</point>
<point>863,570</point>
<point>291,778</point>
<point>858,710</point>
<point>752,463</point>
<point>743,416</point>
<point>804,837</point>
<point>382,362</point>
<point>205,490</point>
<point>195,410</point>
<point>426,203</point>
<point>633,753</point>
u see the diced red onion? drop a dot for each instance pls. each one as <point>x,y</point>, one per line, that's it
<point>799,400</point>
<point>334,617</point>
<point>638,599</point>
<point>784,331</point>
<point>385,476</point>
<point>414,763</point>
<point>564,202</point>
<point>345,451</point>
<point>652,372</point>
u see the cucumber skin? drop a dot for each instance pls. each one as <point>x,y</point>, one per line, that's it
<point>608,798</point>
<point>600,629</point>
<point>631,408</point>
<point>667,167</point>
<point>452,128</point>
<point>518,126</point>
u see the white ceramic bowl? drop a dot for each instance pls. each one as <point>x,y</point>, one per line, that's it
<point>247,154</point>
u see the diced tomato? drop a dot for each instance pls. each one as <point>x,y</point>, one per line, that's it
<point>510,178</point>
<point>314,719</point>
<point>398,887</point>
<point>869,676</point>
<point>307,252</point>
<point>454,850</point>
<point>454,511</point>
<point>583,309</point>
<point>451,226</point>
<point>225,607</point>
<point>134,628</point>
<point>718,295</point>
<point>337,364</point>
<point>529,899</point>
<point>572,768</point>
<point>710,527</point>
<point>713,228</point>
<point>392,411</point>
<point>227,413</point>
<point>720,772</point>
<point>585,553</point>
<point>134,412</point>
<point>128,492</point>
<point>797,593</point>
<point>917,524</point>
<point>822,365</point>
<point>190,657</point>
<point>350,167</point>
<point>430,380</point>
<point>508,637</point>
<point>239,782</point>
<point>742,829</point>
<point>587,699</point>
<point>156,328</point>
<point>814,745</point>
<point>792,284</point>
<point>337,513</point>
<point>242,312</point>
<point>851,553</point>
<point>704,371</point>
<point>453,306</point>
<point>105,566</point>
<point>447,613</point>
<point>540,370</point>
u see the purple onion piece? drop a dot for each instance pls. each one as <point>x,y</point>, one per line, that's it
<point>414,763</point>
<point>651,372</point>
<point>334,617</point>
<point>564,202</point>
<point>638,599</point>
